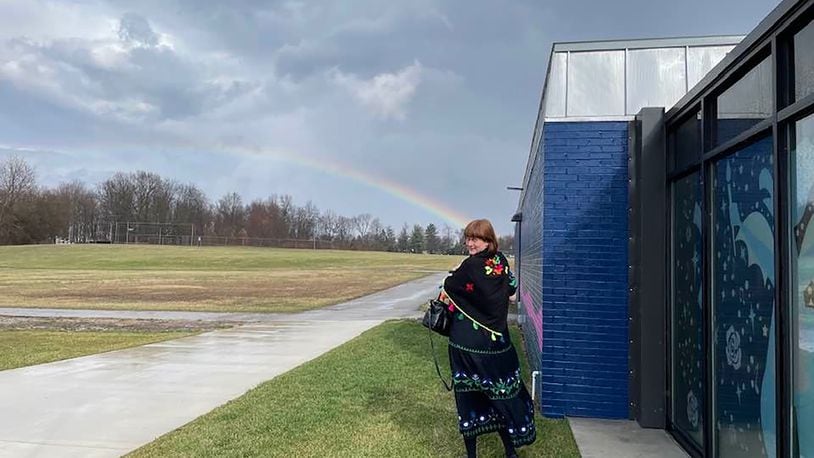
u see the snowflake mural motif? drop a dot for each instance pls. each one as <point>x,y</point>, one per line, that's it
<point>692,409</point>
<point>733,348</point>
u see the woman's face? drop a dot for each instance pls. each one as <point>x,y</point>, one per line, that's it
<point>475,245</point>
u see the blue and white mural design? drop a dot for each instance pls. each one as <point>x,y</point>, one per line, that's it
<point>688,351</point>
<point>743,302</point>
<point>803,284</point>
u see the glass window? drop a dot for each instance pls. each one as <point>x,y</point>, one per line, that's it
<point>687,142</point>
<point>701,59</point>
<point>743,284</point>
<point>745,103</point>
<point>802,260</point>
<point>687,320</point>
<point>804,62</point>
<point>555,87</point>
<point>596,83</point>
<point>656,78</point>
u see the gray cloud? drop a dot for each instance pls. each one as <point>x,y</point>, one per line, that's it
<point>136,30</point>
<point>435,95</point>
<point>131,77</point>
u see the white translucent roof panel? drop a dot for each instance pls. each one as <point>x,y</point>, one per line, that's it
<point>595,83</point>
<point>617,79</point>
<point>555,89</point>
<point>701,59</point>
<point>656,78</point>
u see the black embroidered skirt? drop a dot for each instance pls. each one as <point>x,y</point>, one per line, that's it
<point>489,393</point>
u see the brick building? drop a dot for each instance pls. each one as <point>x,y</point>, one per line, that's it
<point>667,191</point>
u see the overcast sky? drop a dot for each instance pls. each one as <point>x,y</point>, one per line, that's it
<point>350,104</point>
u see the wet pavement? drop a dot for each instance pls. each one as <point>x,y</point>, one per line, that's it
<point>108,404</point>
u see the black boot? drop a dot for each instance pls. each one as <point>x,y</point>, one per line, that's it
<point>507,443</point>
<point>471,444</point>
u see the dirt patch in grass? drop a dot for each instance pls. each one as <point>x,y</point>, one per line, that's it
<point>124,277</point>
<point>236,291</point>
<point>16,323</point>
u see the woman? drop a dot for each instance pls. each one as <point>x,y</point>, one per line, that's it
<point>489,392</point>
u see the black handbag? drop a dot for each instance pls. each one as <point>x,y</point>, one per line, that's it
<point>437,317</point>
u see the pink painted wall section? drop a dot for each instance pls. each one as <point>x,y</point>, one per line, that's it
<point>535,314</point>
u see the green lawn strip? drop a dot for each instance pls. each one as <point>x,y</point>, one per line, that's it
<point>20,348</point>
<point>377,395</point>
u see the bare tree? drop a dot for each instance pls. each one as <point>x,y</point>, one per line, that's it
<point>82,207</point>
<point>403,241</point>
<point>190,205</point>
<point>361,224</point>
<point>376,235</point>
<point>287,209</point>
<point>344,230</point>
<point>117,198</point>
<point>305,221</point>
<point>328,226</point>
<point>152,197</point>
<point>258,219</point>
<point>229,215</point>
<point>17,184</point>
<point>73,211</point>
<point>390,239</point>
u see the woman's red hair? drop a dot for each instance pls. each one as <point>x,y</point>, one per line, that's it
<point>482,229</point>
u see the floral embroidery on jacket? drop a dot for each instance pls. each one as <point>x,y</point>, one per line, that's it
<point>494,266</point>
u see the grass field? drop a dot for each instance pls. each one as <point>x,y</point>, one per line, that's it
<point>200,279</point>
<point>20,348</point>
<point>376,396</point>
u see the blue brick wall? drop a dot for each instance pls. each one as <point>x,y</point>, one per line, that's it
<point>530,268</point>
<point>584,357</point>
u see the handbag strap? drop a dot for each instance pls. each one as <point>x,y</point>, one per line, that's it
<point>438,369</point>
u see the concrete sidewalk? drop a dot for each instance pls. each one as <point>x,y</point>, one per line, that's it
<point>622,439</point>
<point>108,404</point>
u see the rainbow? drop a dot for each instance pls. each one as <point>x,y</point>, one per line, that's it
<point>456,219</point>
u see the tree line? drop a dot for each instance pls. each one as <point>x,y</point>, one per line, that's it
<point>78,213</point>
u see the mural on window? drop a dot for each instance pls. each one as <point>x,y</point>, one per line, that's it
<point>802,260</point>
<point>743,302</point>
<point>688,352</point>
